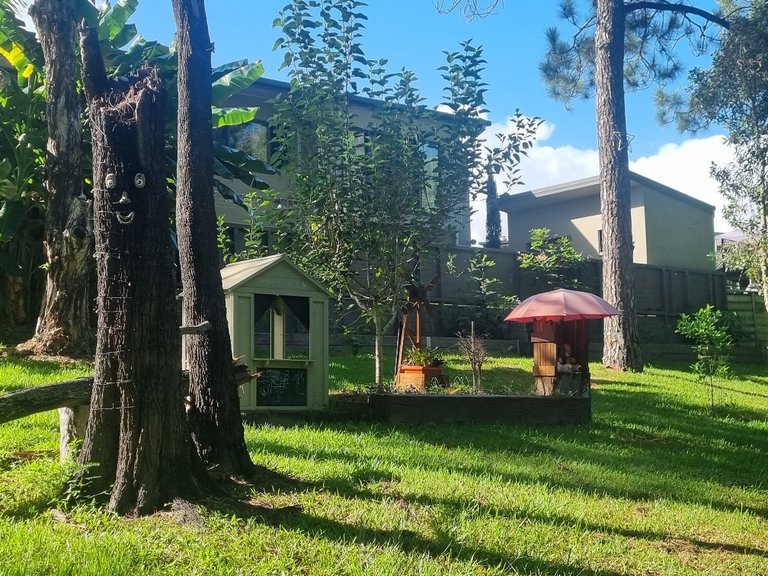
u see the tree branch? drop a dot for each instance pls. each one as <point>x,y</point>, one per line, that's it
<point>41,398</point>
<point>679,8</point>
<point>94,73</point>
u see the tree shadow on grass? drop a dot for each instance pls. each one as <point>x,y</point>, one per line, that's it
<point>443,546</point>
<point>356,485</point>
<point>639,449</point>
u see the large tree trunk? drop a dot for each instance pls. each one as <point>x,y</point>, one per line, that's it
<point>762,247</point>
<point>493,216</point>
<point>378,351</point>
<point>217,427</point>
<point>64,325</point>
<point>621,343</point>
<point>136,441</point>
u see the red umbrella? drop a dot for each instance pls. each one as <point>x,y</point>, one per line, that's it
<point>562,304</point>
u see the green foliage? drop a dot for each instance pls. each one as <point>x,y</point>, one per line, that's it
<point>424,356</point>
<point>484,297</point>
<point>485,287</point>
<point>707,328</point>
<point>492,214</point>
<point>504,159</point>
<point>369,201</point>
<point>254,236</point>
<point>460,161</point>
<point>733,93</point>
<point>554,261</point>
<point>22,149</point>
<point>651,37</point>
<point>223,240</point>
<point>741,256</point>
<point>23,130</point>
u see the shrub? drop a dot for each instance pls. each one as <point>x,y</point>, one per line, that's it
<point>708,329</point>
<point>423,357</point>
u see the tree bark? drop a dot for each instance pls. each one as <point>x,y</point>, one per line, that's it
<point>137,441</point>
<point>41,398</point>
<point>378,352</point>
<point>493,216</point>
<point>64,325</point>
<point>217,427</point>
<point>621,348</point>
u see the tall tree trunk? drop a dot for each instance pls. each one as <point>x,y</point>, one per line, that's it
<point>762,246</point>
<point>378,351</point>
<point>621,348</point>
<point>493,216</point>
<point>137,440</point>
<point>217,427</point>
<point>64,325</point>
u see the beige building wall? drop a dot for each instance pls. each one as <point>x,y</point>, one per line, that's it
<point>573,219</point>
<point>677,233</point>
<point>579,219</point>
<point>669,228</point>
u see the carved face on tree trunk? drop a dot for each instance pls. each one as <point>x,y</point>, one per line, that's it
<point>121,194</point>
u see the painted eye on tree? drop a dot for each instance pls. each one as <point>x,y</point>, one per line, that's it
<point>110,181</point>
<point>139,180</point>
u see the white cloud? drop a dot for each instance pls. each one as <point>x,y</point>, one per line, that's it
<point>544,166</point>
<point>684,167</point>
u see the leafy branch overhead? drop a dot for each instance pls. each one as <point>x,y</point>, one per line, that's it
<point>733,93</point>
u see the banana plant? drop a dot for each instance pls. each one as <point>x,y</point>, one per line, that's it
<point>229,163</point>
<point>22,146</point>
<point>22,121</point>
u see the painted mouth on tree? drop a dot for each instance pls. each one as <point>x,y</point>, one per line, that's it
<point>125,219</point>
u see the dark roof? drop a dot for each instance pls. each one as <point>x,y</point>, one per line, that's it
<point>584,188</point>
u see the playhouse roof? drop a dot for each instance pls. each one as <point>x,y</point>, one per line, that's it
<point>237,274</point>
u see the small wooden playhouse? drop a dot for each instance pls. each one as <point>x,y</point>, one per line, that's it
<point>278,321</point>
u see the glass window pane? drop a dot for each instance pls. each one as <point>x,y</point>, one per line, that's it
<point>252,138</point>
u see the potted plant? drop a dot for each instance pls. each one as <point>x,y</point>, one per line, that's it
<point>420,368</point>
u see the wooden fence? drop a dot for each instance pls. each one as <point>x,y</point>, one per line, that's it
<point>661,294</point>
<point>753,322</point>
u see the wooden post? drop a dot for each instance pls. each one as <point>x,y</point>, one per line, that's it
<point>73,421</point>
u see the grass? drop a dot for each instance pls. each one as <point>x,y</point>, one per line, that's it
<point>658,484</point>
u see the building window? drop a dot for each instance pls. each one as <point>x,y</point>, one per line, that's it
<point>253,138</point>
<point>600,241</point>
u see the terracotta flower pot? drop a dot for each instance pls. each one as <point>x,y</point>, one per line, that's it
<point>413,378</point>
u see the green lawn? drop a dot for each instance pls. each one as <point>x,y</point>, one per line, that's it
<point>656,485</point>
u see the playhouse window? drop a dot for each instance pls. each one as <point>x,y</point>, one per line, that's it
<point>281,327</point>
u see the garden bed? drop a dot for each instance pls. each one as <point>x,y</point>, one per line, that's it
<point>477,408</point>
<point>480,408</point>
